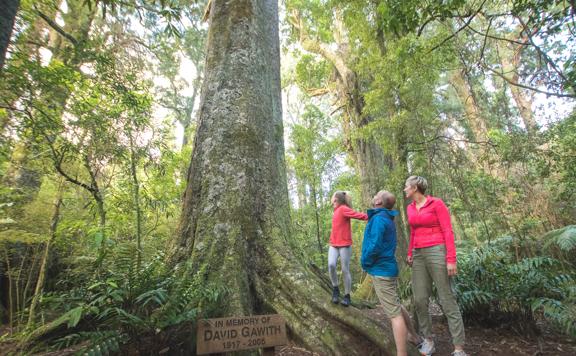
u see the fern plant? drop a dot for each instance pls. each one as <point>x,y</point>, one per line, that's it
<point>124,304</point>
<point>496,285</point>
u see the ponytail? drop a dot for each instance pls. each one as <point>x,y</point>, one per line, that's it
<point>343,198</point>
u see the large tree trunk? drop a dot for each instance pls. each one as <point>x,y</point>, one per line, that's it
<point>8,10</point>
<point>371,165</point>
<point>510,57</point>
<point>235,224</point>
<point>474,116</point>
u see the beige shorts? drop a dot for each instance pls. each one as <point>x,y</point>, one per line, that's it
<point>386,290</point>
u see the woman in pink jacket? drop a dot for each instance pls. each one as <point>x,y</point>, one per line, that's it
<point>432,255</point>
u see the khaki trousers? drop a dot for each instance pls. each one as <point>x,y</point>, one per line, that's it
<point>429,266</point>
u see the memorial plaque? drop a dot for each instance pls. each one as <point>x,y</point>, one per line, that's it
<point>240,333</point>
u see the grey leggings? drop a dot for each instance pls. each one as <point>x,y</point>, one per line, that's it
<point>345,254</point>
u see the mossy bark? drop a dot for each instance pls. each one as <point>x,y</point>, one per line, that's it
<point>7,17</point>
<point>235,225</point>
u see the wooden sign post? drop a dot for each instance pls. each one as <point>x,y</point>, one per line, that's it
<point>240,333</point>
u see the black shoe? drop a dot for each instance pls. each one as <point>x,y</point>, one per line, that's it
<point>335,295</point>
<point>346,300</point>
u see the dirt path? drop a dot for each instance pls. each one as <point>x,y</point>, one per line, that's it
<point>481,341</point>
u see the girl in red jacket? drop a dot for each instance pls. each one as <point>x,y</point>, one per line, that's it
<point>341,244</point>
<point>432,255</point>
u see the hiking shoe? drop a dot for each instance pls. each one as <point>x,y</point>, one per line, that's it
<point>346,300</point>
<point>459,353</point>
<point>427,348</point>
<point>415,340</point>
<point>335,295</point>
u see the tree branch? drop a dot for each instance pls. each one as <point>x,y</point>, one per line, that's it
<point>447,138</point>
<point>496,37</point>
<point>485,40</point>
<point>542,53</point>
<point>58,159</point>
<point>317,91</point>
<point>94,183</point>
<point>318,47</point>
<point>206,14</point>
<point>511,82</point>
<point>421,29</point>
<point>57,28</point>
<point>460,29</point>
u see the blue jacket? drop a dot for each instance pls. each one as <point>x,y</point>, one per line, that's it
<point>379,244</point>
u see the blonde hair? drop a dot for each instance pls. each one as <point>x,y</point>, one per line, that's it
<point>343,198</point>
<point>420,183</point>
<point>385,199</point>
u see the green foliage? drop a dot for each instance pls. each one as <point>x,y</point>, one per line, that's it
<point>562,160</point>
<point>125,304</point>
<point>498,283</point>
<point>101,342</point>
<point>87,117</point>
<point>312,158</point>
<point>312,73</point>
<point>564,238</point>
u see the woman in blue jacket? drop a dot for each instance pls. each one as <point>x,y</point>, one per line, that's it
<point>379,261</point>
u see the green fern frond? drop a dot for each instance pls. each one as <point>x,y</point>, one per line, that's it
<point>564,238</point>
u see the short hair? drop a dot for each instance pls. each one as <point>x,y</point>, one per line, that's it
<point>385,199</point>
<point>343,198</point>
<point>419,182</point>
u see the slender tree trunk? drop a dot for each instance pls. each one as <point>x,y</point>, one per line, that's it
<point>235,224</point>
<point>136,197</point>
<point>101,217</point>
<point>316,216</point>
<point>10,290</point>
<point>301,191</point>
<point>187,123</point>
<point>19,301</point>
<point>98,196</point>
<point>44,263</point>
<point>31,276</point>
<point>8,10</point>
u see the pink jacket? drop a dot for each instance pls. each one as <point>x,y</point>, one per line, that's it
<point>341,234</point>
<point>431,226</point>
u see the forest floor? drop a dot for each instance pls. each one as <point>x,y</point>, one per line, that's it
<point>480,341</point>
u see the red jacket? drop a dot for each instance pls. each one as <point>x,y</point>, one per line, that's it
<point>431,226</point>
<point>341,234</point>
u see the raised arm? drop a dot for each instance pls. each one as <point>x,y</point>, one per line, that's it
<point>353,214</point>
